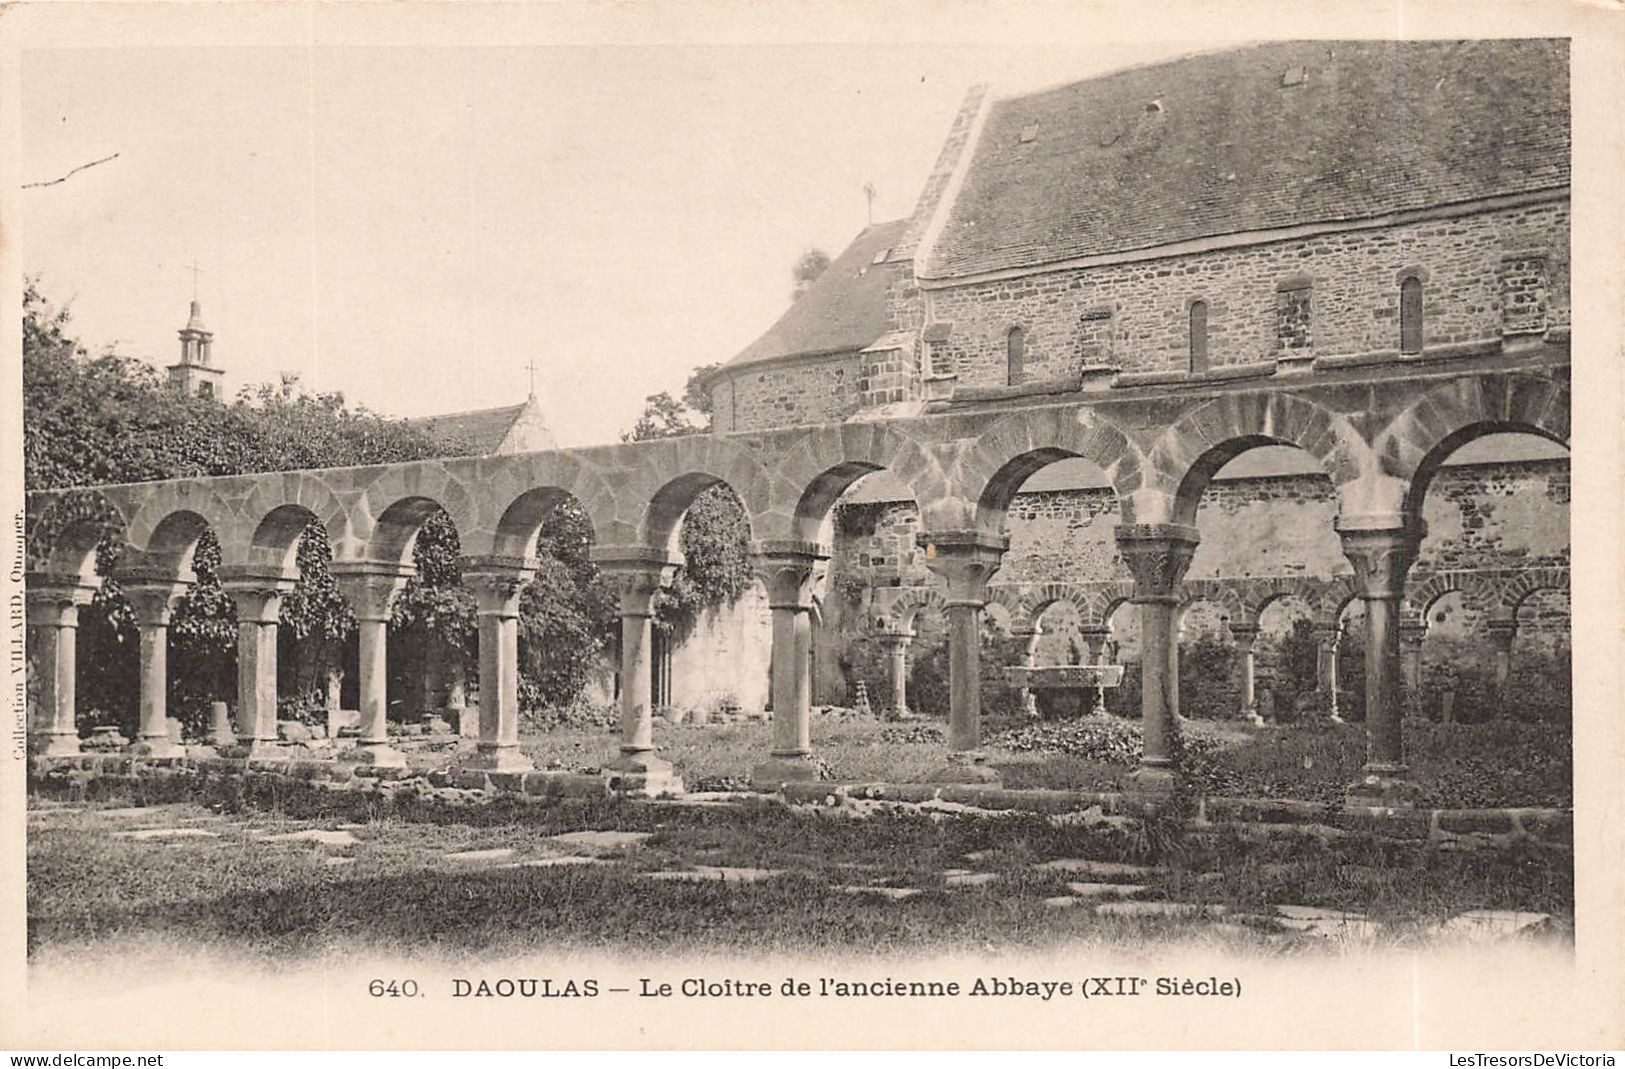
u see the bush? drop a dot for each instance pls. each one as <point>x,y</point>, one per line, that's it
<point>1207,680</point>
<point>1115,742</point>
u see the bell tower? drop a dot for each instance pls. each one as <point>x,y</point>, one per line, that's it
<point>194,374</point>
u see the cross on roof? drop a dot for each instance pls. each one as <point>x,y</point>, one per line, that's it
<point>530,365</point>
<point>196,271</point>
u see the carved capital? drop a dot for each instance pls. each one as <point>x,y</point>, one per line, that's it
<point>1245,635</point>
<point>1157,555</point>
<point>154,603</point>
<point>1381,557</point>
<point>496,582</point>
<point>53,600</point>
<point>1502,631</point>
<point>786,569</point>
<point>896,639</point>
<point>371,587</point>
<point>257,593</point>
<point>636,574</point>
<point>965,560</point>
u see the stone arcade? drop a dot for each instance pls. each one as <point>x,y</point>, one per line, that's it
<point>1261,262</point>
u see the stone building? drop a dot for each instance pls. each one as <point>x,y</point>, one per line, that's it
<point>1268,211</point>
<point>196,373</point>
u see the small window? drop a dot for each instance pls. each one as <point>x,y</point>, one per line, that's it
<point>1198,343</point>
<point>205,389</point>
<point>1410,315</point>
<point>1015,351</point>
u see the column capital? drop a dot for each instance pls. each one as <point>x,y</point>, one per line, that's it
<point>1412,631</point>
<point>1502,630</point>
<point>153,600</point>
<point>257,593</point>
<point>786,569</point>
<point>1244,634</point>
<point>1157,555</point>
<point>637,574</point>
<point>1381,557</point>
<point>371,586</point>
<point>496,582</point>
<point>896,638</point>
<point>965,560</point>
<point>54,600</point>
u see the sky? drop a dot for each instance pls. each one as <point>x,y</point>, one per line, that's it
<point>413,226</point>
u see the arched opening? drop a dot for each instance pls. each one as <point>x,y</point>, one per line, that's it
<point>1288,658</point>
<point>1015,355</point>
<point>1208,667</point>
<point>1198,338</point>
<point>1494,499</point>
<point>1410,314</point>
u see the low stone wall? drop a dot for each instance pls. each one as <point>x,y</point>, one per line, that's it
<point>1431,829</point>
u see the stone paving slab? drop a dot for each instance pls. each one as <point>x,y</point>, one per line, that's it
<point>1327,923</point>
<point>599,842</point>
<point>1104,870</point>
<point>970,879</point>
<point>553,862</point>
<point>1061,902</point>
<point>896,894</point>
<point>707,873</point>
<point>167,833</point>
<point>1108,890</point>
<point>498,854</point>
<point>338,861</point>
<point>1159,909</point>
<point>1493,924</point>
<point>315,835</point>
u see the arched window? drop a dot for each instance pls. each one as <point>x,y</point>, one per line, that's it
<point>1410,315</point>
<point>1198,337</point>
<point>1015,351</point>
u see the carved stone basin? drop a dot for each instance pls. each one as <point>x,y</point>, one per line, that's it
<point>1064,676</point>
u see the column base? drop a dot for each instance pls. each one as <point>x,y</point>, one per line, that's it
<point>903,714</point>
<point>376,754</point>
<point>159,747</point>
<point>965,766</point>
<point>642,774</point>
<point>775,772</point>
<point>497,759</point>
<point>1386,787</point>
<point>54,745</point>
<point>1155,780</point>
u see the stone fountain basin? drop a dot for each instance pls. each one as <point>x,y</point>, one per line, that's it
<point>1064,676</point>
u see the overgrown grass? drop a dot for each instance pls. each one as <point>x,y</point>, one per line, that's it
<point>1454,765</point>
<point>401,893</point>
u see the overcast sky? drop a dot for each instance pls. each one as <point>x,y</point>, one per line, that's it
<point>411,226</point>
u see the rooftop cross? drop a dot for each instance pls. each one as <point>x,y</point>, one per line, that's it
<point>196,270</point>
<point>530,365</point>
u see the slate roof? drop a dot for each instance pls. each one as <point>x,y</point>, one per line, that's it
<point>844,310</point>
<point>1372,127</point>
<point>483,428</point>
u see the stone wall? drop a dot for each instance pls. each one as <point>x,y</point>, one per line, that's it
<point>1507,514</point>
<point>1482,275</point>
<point>817,390</point>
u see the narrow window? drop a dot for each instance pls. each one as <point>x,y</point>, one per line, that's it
<point>1015,351</point>
<point>1410,315</point>
<point>1198,337</point>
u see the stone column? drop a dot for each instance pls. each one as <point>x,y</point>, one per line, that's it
<point>1095,639</point>
<point>896,643</point>
<point>371,588</point>
<point>1157,555</point>
<point>1502,631</point>
<point>258,598</point>
<point>1246,636</point>
<point>496,583</point>
<point>154,600</point>
<point>965,560</point>
<point>1026,696</point>
<point>1327,659</point>
<point>53,626</point>
<point>1381,549</point>
<point>637,573</point>
<point>1411,634</point>
<point>786,569</point>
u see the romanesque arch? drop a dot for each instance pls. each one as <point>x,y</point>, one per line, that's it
<point>65,528</point>
<point>1191,451</point>
<point>391,509</point>
<point>808,479</point>
<point>1009,452</point>
<point>266,527</point>
<point>518,493</point>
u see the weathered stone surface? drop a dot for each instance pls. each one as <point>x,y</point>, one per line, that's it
<point>1488,924</point>
<point>293,731</point>
<point>1104,870</point>
<point>320,836</point>
<point>1107,890</point>
<point>706,873</point>
<point>1177,910</point>
<point>896,894</point>
<point>969,879</point>
<point>144,834</point>
<point>496,854</point>
<point>600,842</point>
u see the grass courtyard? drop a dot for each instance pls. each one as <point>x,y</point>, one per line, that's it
<point>305,872</point>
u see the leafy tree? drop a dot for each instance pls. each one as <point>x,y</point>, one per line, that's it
<point>809,266</point>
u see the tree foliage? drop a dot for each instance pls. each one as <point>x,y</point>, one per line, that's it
<point>808,267</point>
